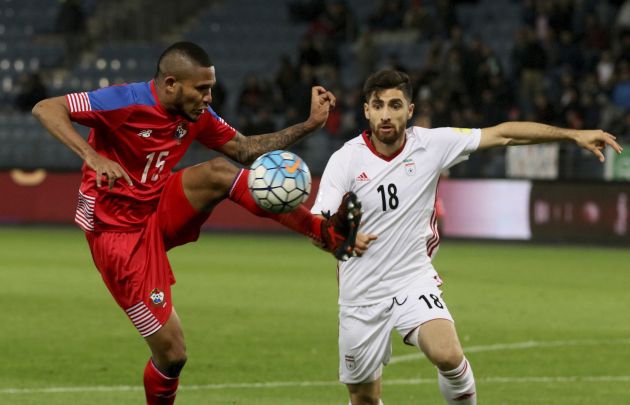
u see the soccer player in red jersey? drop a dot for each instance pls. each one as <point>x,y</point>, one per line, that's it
<point>133,208</point>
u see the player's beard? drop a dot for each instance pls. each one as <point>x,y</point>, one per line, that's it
<point>390,137</point>
<point>189,113</point>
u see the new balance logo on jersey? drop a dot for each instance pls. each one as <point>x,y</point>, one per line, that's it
<point>363,177</point>
<point>145,133</point>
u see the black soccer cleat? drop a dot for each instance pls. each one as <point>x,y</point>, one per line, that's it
<point>339,231</point>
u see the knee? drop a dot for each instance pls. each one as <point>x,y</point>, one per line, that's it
<point>172,357</point>
<point>175,366</point>
<point>447,358</point>
<point>220,167</point>
<point>173,362</point>
<point>219,173</point>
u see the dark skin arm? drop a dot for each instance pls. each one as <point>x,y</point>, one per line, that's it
<point>245,149</point>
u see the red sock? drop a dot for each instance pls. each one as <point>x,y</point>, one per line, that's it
<point>300,220</point>
<point>158,388</point>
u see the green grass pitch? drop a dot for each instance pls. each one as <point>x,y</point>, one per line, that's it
<point>540,324</point>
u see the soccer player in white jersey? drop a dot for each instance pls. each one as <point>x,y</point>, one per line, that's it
<point>394,171</point>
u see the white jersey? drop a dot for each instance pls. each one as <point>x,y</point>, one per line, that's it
<point>398,197</point>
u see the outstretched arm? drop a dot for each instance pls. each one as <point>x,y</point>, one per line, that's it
<point>54,115</point>
<point>245,149</point>
<point>527,133</point>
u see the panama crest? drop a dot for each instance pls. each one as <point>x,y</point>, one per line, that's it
<point>157,297</point>
<point>181,131</point>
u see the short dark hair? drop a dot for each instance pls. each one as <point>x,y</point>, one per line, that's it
<point>387,79</point>
<point>187,50</point>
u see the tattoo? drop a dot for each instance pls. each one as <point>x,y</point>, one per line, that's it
<point>255,145</point>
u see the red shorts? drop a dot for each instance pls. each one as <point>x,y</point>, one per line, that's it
<point>134,265</point>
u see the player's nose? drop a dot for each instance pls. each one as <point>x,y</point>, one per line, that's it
<point>207,98</point>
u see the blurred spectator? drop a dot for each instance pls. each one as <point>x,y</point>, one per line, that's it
<point>568,52</point>
<point>285,77</point>
<point>306,10</point>
<point>621,89</point>
<point>531,58</point>
<point>393,62</point>
<point>596,37</point>
<point>446,17</point>
<point>252,95</point>
<point>591,110</point>
<point>605,69</point>
<point>623,16</point>
<point>418,18</point>
<point>366,53</point>
<point>219,95</point>
<point>262,123</point>
<point>336,23</point>
<point>31,89</point>
<point>71,25</point>
<point>388,15</point>
<point>543,111</point>
<point>309,53</point>
<point>621,128</point>
<point>299,97</point>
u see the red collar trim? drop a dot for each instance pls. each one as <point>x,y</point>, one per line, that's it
<point>370,145</point>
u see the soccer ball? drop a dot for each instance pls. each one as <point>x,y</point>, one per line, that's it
<point>279,181</point>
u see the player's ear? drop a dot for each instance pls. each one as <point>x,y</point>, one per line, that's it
<point>169,83</point>
<point>410,112</point>
<point>366,110</point>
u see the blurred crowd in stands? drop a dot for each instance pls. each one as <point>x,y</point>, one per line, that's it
<point>568,65</point>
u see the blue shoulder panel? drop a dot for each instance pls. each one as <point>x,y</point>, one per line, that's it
<point>126,95</point>
<point>214,114</point>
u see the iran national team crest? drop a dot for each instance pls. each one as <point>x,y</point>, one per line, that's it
<point>157,297</point>
<point>410,167</point>
<point>350,364</point>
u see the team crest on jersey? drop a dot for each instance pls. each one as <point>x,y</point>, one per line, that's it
<point>157,297</point>
<point>410,167</point>
<point>181,131</point>
<point>350,364</point>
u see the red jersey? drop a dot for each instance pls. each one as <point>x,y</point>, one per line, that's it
<point>132,128</point>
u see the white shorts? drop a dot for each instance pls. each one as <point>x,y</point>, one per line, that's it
<point>365,331</point>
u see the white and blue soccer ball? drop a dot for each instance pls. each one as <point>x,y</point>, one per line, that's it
<point>279,181</point>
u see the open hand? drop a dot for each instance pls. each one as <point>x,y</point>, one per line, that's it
<point>596,140</point>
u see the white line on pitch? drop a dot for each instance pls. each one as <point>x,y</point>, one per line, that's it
<point>295,384</point>
<point>519,346</point>
<point>398,359</point>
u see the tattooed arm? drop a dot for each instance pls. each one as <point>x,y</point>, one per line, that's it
<point>245,149</point>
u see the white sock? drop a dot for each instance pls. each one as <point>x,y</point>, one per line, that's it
<point>458,385</point>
